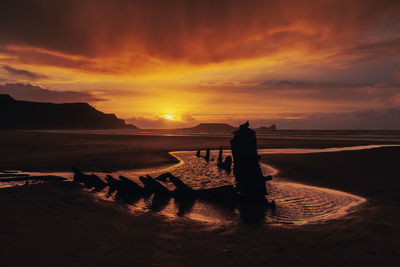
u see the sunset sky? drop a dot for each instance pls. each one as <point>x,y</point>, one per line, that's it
<point>163,64</point>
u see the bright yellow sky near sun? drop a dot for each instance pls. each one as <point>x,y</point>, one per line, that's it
<point>207,61</point>
<point>178,88</point>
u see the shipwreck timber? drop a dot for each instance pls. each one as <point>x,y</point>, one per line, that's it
<point>248,193</point>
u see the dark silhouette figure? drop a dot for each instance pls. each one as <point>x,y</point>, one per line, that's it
<point>250,182</point>
<point>198,153</point>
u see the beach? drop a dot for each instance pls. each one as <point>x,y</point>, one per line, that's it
<point>64,224</point>
<point>47,151</point>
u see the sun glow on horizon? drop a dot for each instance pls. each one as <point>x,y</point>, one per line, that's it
<point>175,65</point>
<point>169,117</point>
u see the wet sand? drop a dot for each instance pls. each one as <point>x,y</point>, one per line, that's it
<point>373,173</point>
<point>64,224</point>
<point>37,151</point>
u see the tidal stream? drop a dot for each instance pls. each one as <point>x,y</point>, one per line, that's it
<point>296,204</point>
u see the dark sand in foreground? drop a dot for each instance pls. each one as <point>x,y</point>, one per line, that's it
<point>62,224</point>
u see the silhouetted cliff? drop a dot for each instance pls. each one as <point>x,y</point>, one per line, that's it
<point>210,127</point>
<point>16,114</point>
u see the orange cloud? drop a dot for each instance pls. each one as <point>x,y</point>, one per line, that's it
<point>195,32</point>
<point>214,59</point>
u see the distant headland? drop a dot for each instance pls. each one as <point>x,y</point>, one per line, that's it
<point>15,114</point>
<point>220,127</point>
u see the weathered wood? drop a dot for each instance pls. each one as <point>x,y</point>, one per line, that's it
<point>225,165</point>
<point>219,161</point>
<point>163,177</point>
<point>160,201</point>
<point>127,190</point>
<point>182,190</point>
<point>81,177</point>
<point>130,185</point>
<point>153,186</point>
<point>207,157</point>
<point>95,182</point>
<point>90,181</point>
<point>250,182</point>
<point>113,185</point>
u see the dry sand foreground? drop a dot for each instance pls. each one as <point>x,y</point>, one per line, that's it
<point>62,224</point>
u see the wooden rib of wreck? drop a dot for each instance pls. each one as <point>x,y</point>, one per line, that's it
<point>207,157</point>
<point>249,181</point>
<point>223,194</point>
<point>113,185</point>
<point>90,181</point>
<point>225,165</point>
<point>152,186</point>
<point>219,160</point>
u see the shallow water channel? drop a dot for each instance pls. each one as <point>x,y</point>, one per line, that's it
<point>296,204</point>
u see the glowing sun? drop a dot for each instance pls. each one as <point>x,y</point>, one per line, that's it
<point>169,117</point>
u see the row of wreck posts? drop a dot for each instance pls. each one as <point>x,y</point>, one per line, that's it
<point>249,179</point>
<point>248,194</point>
<point>222,164</point>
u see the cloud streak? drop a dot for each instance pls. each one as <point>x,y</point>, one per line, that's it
<point>196,32</point>
<point>151,58</point>
<point>30,92</point>
<point>368,119</point>
<point>25,74</point>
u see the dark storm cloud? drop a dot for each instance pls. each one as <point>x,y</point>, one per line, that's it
<point>340,90</point>
<point>200,31</point>
<point>31,56</point>
<point>29,75</point>
<point>370,51</point>
<point>30,92</point>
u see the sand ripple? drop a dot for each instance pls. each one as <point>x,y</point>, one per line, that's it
<point>295,203</point>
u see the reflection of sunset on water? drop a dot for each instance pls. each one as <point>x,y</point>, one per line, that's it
<point>297,204</point>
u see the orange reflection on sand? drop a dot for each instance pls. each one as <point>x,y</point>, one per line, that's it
<point>296,204</point>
